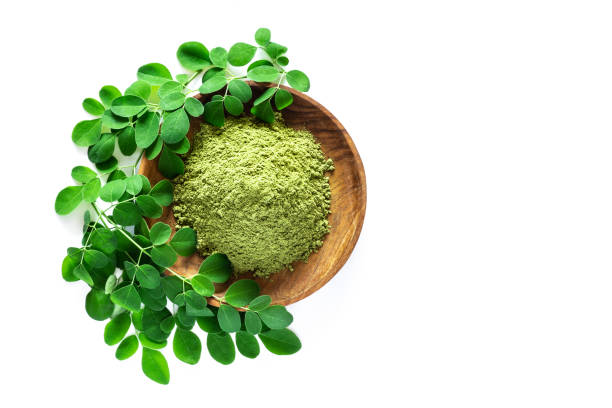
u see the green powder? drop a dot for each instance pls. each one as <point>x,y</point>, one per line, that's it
<point>255,192</point>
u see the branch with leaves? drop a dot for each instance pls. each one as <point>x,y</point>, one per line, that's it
<point>128,265</point>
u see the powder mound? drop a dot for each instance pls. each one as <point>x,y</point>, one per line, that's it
<point>255,192</point>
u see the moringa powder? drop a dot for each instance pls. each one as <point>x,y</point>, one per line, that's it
<point>255,192</point>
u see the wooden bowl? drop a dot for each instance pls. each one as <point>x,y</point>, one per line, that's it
<point>348,203</point>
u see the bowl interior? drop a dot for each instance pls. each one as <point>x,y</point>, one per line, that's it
<point>348,203</point>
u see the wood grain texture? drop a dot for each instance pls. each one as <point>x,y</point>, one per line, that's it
<point>348,203</point>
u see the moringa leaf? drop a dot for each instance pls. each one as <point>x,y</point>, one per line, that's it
<point>128,105</point>
<point>162,193</point>
<point>221,347</point>
<point>276,317</point>
<point>148,276</point>
<point>202,285</point>
<point>240,90</point>
<point>193,55</point>
<point>187,346</point>
<point>127,348</point>
<point>263,73</point>
<point>83,174</point>
<point>218,56</point>
<point>282,99</point>
<point>233,105</point>
<point>149,207</point>
<point>281,342</point>
<point>216,267</point>
<point>260,302</point>
<point>163,255</point>
<point>103,149</point>
<point>262,36</point>
<point>140,89</point>
<point>154,74</point>
<point>298,80</point>
<point>229,319</point>
<point>240,54</point>
<point>184,241</point>
<point>247,344</point>
<point>127,297</point>
<point>252,322</point>
<point>241,292</point>
<point>93,107</point>
<point>213,113</point>
<point>68,199</point>
<point>170,164</point>
<point>87,132</point>
<point>160,233</point>
<point>194,107</point>
<point>113,190</point>
<point>126,140</point>
<point>147,128</point>
<point>91,190</point>
<point>175,126</point>
<point>126,214</point>
<point>155,366</point>
<point>98,305</point>
<point>117,328</point>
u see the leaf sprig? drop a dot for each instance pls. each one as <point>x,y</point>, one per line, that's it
<point>153,112</point>
<point>128,265</point>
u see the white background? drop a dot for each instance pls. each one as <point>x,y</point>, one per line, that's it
<point>482,275</point>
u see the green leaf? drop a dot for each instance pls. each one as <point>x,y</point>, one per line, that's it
<point>68,265</point>
<point>194,107</point>
<point>184,241</point>
<point>276,317</point>
<point>298,80</point>
<point>275,50</point>
<point>140,89</point>
<point>209,324</point>
<point>155,366</point>
<point>127,348</point>
<point>108,94</point>
<point>213,84</point>
<point>167,324</point>
<point>218,56</point>
<point>281,342</point>
<point>247,344</point>
<point>81,272</point>
<point>133,184</point>
<point>108,166</point>
<point>172,101</point>
<point>92,106</point>
<point>187,346</point>
<point>252,322</point>
<point>168,88</point>
<point>155,149</point>
<point>181,147</point>
<point>162,193</point>
<point>216,267</point>
<point>193,55</point>
<point>183,319</point>
<point>241,292</point>
<point>87,132</point>
<point>196,304</point>
<point>83,174</point>
<point>147,128</point>
<point>263,73</point>
<point>259,63</point>
<point>282,61</point>
<point>117,328</point>
<point>170,165</point>
<point>95,258</point>
<point>127,106</point>
<point>154,73</point>
<point>266,95</point>
<point>160,233</point>
<point>127,297</point>
<point>151,344</point>
<point>113,190</point>
<point>233,105</point>
<point>282,99</point>
<point>163,255</point>
<point>240,54</point>
<point>149,207</point>
<point>175,126</point>
<point>260,302</point>
<point>211,72</point>
<point>91,190</point>
<point>154,298</point>
<point>110,284</point>
<point>146,185</point>
<point>68,199</point>
<point>104,240</point>
<point>148,276</point>
<point>202,285</point>
<point>221,347</point>
<point>262,36</point>
<point>229,319</point>
<point>98,305</point>
<point>126,140</point>
<point>213,113</point>
<point>264,111</point>
<point>109,119</point>
<point>240,90</point>
<point>126,214</point>
<point>103,149</point>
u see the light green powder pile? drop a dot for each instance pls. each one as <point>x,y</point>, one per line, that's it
<point>255,192</point>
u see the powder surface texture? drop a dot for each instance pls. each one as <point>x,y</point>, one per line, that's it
<point>255,192</point>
